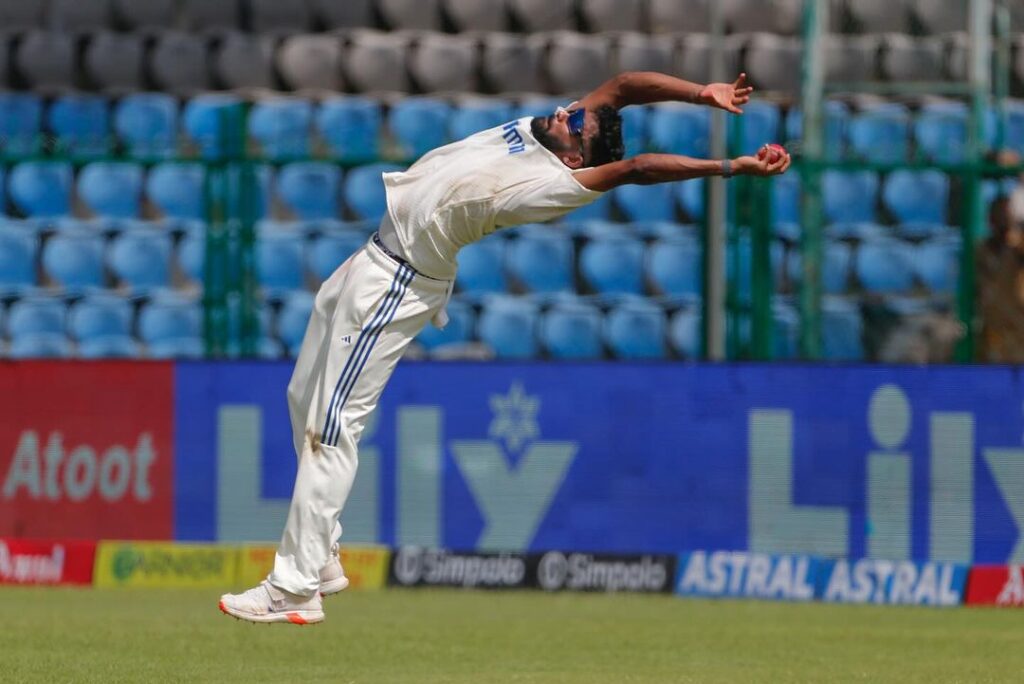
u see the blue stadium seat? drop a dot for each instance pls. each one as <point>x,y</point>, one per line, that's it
<point>148,124</point>
<point>1013,127</point>
<point>917,196</point>
<point>636,122</point>
<point>918,230</point>
<point>459,330</point>
<point>762,123</point>
<point>850,196</point>
<point>786,199</point>
<point>21,122</point>
<point>684,332</point>
<point>36,315</point>
<point>635,329</point>
<point>842,330</point>
<point>646,202</point>
<point>885,266</point>
<point>176,189</point>
<point>351,127</point>
<point>937,263</point>
<point>509,326</point>
<point>863,230</point>
<point>541,260</point>
<point>613,265</point>
<point>169,317</point>
<point>40,346</point>
<point>835,268</point>
<point>310,189</point>
<point>293,318</point>
<point>110,347</point>
<point>691,198</point>
<point>478,115</point>
<point>282,126</point>
<point>482,267</point>
<point>177,348</point>
<point>881,134</point>
<point>837,125</point>
<point>279,261</point>
<point>785,331</point>
<point>661,230</point>
<point>192,254</point>
<point>141,259</point>
<point>213,123</point>
<point>100,316</point>
<point>675,266</point>
<point>330,250</point>
<point>41,189</point>
<point>599,209</point>
<point>681,129</point>
<point>940,131</point>
<point>111,189</point>
<point>364,190</point>
<point>572,330</point>
<point>19,250</point>
<point>74,260</point>
<point>419,124</point>
<point>81,124</point>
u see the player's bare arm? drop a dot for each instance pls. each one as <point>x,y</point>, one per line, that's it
<point>648,87</point>
<point>649,169</point>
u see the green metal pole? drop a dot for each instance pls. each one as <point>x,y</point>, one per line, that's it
<point>761,281</point>
<point>815,21</point>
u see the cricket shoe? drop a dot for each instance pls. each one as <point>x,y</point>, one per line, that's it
<point>267,603</point>
<point>332,575</point>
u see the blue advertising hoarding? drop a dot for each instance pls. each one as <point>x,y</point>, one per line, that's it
<point>921,464</point>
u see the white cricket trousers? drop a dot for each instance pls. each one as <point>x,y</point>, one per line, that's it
<point>363,318</point>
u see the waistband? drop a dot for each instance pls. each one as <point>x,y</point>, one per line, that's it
<point>382,255</point>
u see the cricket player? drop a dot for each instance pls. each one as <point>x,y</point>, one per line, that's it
<point>526,171</point>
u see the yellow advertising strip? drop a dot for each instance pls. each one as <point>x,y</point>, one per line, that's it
<point>365,566</point>
<point>254,564</point>
<point>160,564</point>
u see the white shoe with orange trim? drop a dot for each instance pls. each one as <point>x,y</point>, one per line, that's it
<point>267,603</point>
<point>332,575</point>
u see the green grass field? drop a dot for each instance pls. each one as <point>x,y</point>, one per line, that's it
<point>64,635</point>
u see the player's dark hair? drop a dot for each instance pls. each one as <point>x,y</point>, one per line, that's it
<point>606,145</point>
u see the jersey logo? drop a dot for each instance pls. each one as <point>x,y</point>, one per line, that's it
<point>513,137</point>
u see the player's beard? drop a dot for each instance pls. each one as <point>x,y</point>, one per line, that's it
<point>539,127</point>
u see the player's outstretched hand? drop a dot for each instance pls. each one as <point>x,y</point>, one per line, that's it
<point>727,96</point>
<point>769,165</point>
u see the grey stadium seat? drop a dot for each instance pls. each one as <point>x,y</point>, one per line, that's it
<point>376,61</point>
<point>577,62</point>
<point>209,16</point>
<point>775,16</point>
<point>643,52</point>
<point>348,14</point>
<point>912,59</point>
<point>178,63</point>
<point>245,61</point>
<point>146,15</point>
<point>851,58</point>
<point>443,62</point>
<point>478,15</point>
<point>113,61</point>
<point>879,16</point>
<point>46,60</point>
<point>773,62</point>
<point>79,15</point>
<point>279,16</point>
<point>669,16</point>
<point>544,15</point>
<point>957,55</point>
<point>613,15</point>
<point>511,63</point>
<point>942,16</point>
<point>18,15</point>
<point>5,62</point>
<point>424,15</point>
<point>693,59</point>
<point>311,62</point>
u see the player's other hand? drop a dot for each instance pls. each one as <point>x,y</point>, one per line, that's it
<point>767,166</point>
<point>727,96</point>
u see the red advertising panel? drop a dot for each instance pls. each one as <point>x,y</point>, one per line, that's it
<point>86,450</point>
<point>996,585</point>
<point>38,562</point>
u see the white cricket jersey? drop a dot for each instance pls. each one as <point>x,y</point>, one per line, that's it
<point>461,192</point>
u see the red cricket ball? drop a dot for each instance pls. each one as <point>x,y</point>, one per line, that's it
<point>773,151</point>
